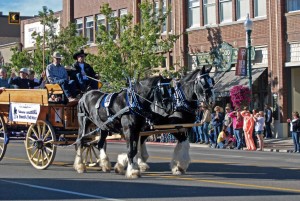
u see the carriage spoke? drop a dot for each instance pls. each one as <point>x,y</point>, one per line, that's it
<point>2,128</point>
<point>47,134</point>
<point>30,138</point>
<point>1,147</point>
<point>31,147</point>
<point>43,131</point>
<point>47,148</point>
<point>38,130</point>
<point>49,141</point>
<point>42,157</point>
<point>86,155</point>
<point>46,154</point>
<point>35,133</point>
<point>95,154</point>
<point>38,158</point>
<point>33,155</point>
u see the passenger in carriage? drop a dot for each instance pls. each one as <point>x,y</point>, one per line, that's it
<point>22,82</point>
<point>3,78</point>
<point>82,73</point>
<point>34,82</point>
<point>57,74</point>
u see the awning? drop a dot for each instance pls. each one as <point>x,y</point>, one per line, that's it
<point>229,79</point>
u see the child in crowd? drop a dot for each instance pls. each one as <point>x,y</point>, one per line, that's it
<point>222,138</point>
<point>259,128</point>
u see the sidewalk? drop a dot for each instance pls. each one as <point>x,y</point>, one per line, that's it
<point>273,145</point>
<point>285,145</point>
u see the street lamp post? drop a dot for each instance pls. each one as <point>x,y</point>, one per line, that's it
<point>248,27</point>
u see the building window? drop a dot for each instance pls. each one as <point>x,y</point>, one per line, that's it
<point>100,20</point>
<point>89,29</point>
<point>225,11</point>
<point>113,15</point>
<point>79,27</point>
<point>260,8</point>
<point>169,17</point>
<point>293,5</point>
<point>242,9</point>
<point>209,8</point>
<point>123,12</point>
<point>194,13</point>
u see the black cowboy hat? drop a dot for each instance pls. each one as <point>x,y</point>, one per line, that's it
<point>79,53</point>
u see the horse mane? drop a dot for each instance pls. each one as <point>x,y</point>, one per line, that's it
<point>190,76</point>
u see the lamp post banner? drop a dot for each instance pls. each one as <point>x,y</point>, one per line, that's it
<point>241,67</point>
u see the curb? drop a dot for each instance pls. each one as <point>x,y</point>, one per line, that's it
<point>206,146</point>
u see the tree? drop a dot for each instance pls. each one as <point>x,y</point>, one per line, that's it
<point>69,43</point>
<point>127,49</point>
<point>20,59</point>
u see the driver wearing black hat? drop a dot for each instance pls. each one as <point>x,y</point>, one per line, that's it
<point>83,72</point>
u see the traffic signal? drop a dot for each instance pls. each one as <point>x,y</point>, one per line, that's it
<point>14,18</point>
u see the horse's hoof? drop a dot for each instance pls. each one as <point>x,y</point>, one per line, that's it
<point>106,166</point>
<point>119,169</point>
<point>144,167</point>
<point>178,171</point>
<point>80,168</point>
<point>134,174</point>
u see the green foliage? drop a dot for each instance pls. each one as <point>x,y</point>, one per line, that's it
<point>69,43</point>
<point>20,59</point>
<point>128,49</point>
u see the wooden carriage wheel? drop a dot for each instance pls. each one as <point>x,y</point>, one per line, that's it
<point>39,144</point>
<point>90,152</point>
<point>3,137</point>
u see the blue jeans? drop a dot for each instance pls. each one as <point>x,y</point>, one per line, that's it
<point>239,137</point>
<point>268,130</point>
<point>69,88</point>
<point>83,84</point>
<point>196,134</point>
<point>205,132</point>
<point>221,145</point>
<point>215,134</point>
<point>296,136</point>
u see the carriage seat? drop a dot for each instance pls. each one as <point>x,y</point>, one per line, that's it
<point>56,94</point>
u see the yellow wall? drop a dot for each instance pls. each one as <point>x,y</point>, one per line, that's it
<point>295,89</point>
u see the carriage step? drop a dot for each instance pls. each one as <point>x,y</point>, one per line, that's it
<point>63,142</point>
<point>147,133</point>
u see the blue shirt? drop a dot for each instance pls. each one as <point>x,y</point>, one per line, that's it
<point>56,74</point>
<point>4,83</point>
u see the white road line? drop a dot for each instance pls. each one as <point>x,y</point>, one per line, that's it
<point>61,191</point>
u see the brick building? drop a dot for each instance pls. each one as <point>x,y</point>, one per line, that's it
<point>275,38</point>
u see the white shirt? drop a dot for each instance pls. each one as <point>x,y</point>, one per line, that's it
<point>259,124</point>
<point>291,124</point>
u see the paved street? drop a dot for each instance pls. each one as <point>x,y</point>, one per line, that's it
<point>213,175</point>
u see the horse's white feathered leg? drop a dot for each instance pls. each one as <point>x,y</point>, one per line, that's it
<point>181,158</point>
<point>104,161</point>
<point>141,157</point>
<point>121,163</point>
<point>78,164</point>
<point>133,171</point>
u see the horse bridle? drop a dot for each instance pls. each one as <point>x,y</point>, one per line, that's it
<point>201,80</point>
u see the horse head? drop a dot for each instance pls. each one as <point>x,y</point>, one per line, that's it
<point>158,92</point>
<point>204,86</point>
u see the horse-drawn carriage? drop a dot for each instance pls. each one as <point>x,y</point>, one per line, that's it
<point>46,125</point>
<point>27,114</point>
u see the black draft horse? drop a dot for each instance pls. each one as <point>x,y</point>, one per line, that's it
<point>190,90</point>
<point>127,114</point>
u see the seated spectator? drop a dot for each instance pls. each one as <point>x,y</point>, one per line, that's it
<point>34,82</point>
<point>4,79</point>
<point>82,73</point>
<point>22,82</point>
<point>57,74</point>
<point>222,138</point>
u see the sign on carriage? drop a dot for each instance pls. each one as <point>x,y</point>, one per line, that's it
<point>24,112</point>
